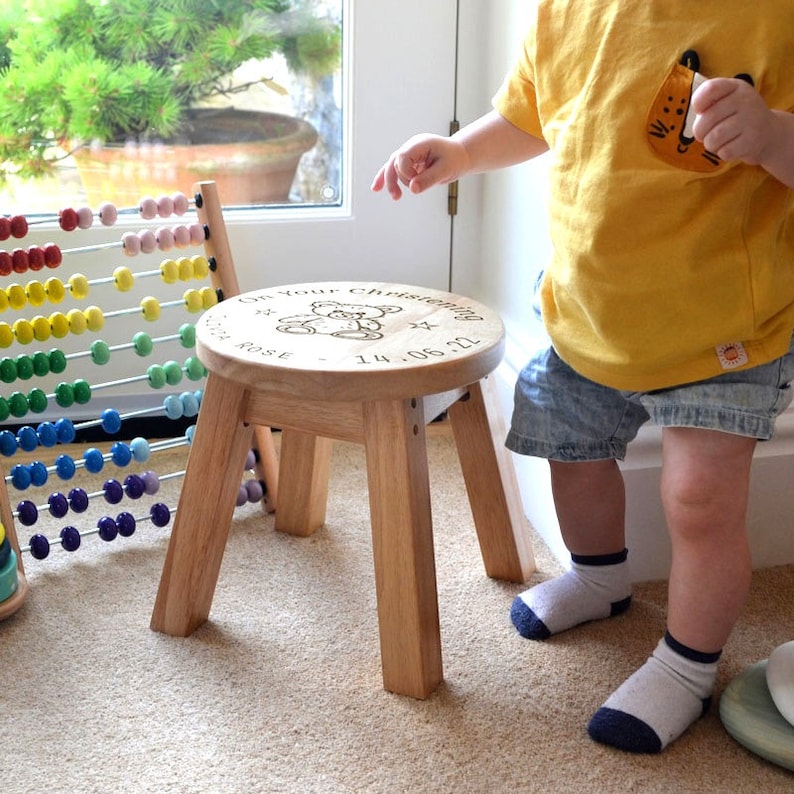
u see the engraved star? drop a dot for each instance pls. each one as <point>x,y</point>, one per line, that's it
<point>264,312</point>
<point>424,325</point>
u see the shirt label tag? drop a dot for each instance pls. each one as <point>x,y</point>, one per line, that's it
<point>732,355</point>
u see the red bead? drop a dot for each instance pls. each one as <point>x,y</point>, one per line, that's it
<point>36,257</point>
<point>19,260</point>
<point>5,228</point>
<point>19,226</point>
<point>6,266</point>
<point>52,255</point>
<point>68,219</point>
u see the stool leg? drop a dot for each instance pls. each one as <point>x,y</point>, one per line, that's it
<point>402,542</point>
<point>491,484</point>
<point>304,467</point>
<point>204,514</point>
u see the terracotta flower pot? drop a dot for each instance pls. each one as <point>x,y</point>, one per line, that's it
<point>252,157</point>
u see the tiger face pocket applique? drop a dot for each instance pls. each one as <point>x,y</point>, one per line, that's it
<point>670,119</point>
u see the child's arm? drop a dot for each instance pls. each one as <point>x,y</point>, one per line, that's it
<point>734,122</point>
<point>425,160</point>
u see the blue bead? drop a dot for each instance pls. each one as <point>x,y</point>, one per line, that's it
<point>114,493</point>
<point>8,443</point>
<point>78,500</point>
<point>28,513</point>
<point>190,403</point>
<point>38,473</point>
<point>126,524</point>
<point>27,438</point>
<point>140,449</point>
<point>64,467</point>
<point>66,431</point>
<point>189,433</point>
<point>94,462</point>
<point>70,539</point>
<point>111,421</point>
<point>134,486</point>
<point>160,514</point>
<point>39,547</point>
<point>48,434</point>
<point>107,528</point>
<point>20,477</point>
<point>172,406</point>
<point>59,505</point>
<point>121,454</point>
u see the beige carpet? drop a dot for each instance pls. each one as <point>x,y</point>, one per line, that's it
<point>281,691</point>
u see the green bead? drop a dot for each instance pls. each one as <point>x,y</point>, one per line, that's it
<point>57,361</point>
<point>18,404</point>
<point>5,410</point>
<point>173,372</point>
<point>195,369</point>
<point>8,370</point>
<point>100,352</point>
<point>156,375</point>
<point>143,343</point>
<point>37,400</point>
<point>41,364</point>
<point>187,335</point>
<point>24,367</point>
<point>64,395</point>
<point>82,391</point>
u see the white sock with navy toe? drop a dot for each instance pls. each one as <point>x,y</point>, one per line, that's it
<point>655,705</point>
<point>595,587</point>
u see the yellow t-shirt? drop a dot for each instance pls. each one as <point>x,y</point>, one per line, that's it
<point>669,265</point>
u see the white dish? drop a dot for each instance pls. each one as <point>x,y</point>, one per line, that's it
<point>780,679</point>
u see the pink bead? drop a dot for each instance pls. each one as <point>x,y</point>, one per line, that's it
<point>181,204</point>
<point>131,243</point>
<point>165,206</point>
<point>181,236</point>
<point>85,218</point>
<point>148,241</point>
<point>148,208</point>
<point>165,238</point>
<point>108,214</point>
<point>197,236</point>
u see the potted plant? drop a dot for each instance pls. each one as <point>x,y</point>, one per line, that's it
<point>155,80</point>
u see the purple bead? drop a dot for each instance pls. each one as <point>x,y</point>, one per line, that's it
<point>242,495</point>
<point>250,460</point>
<point>255,490</point>
<point>107,528</point>
<point>70,539</point>
<point>114,493</point>
<point>28,513</point>
<point>125,522</point>
<point>39,547</point>
<point>151,483</point>
<point>59,506</point>
<point>160,514</point>
<point>78,500</point>
<point>134,486</point>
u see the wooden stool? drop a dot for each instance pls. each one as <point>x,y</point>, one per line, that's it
<point>363,362</point>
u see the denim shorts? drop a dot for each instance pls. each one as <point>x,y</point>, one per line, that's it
<point>560,415</point>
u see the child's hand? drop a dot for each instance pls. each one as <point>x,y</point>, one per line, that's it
<point>733,121</point>
<point>420,163</point>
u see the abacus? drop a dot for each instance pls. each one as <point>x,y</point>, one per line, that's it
<point>73,402</point>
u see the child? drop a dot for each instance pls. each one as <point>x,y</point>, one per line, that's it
<point>669,297</point>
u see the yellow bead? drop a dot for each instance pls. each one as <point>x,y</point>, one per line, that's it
<point>36,293</point>
<point>6,335</point>
<point>151,308</point>
<point>208,297</point>
<point>3,300</point>
<point>94,318</point>
<point>169,271</point>
<point>185,268</point>
<point>23,331</point>
<point>55,289</point>
<point>2,533</point>
<point>193,300</point>
<point>17,297</point>
<point>42,330</point>
<point>124,279</point>
<point>59,323</point>
<point>201,267</point>
<point>77,321</point>
<point>78,284</point>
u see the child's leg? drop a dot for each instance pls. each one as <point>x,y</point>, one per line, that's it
<point>590,503</point>
<point>705,487</point>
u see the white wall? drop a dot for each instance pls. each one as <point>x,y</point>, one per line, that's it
<point>507,211</point>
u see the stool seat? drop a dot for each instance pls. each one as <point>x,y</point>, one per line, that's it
<point>368,362</point>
